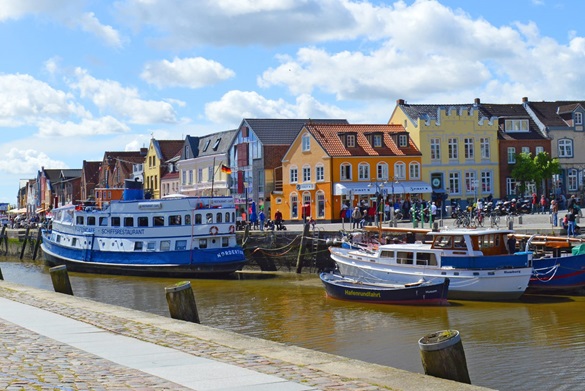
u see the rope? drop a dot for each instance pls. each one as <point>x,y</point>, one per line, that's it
<point>542,276</point>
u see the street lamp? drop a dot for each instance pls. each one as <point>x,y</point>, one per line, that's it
<point>246,202</point>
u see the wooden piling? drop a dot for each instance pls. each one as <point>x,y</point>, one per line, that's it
<point>60,279</point>
<point>181,302</point>
<point>37,244</point>
<point>442,356</point>
<point>1,276</point>
<point>302,248</point>
<point>24,243</point>
<point>4,239</point>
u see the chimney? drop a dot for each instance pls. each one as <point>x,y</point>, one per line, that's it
<point>400,102</point>
<point>477,101</point>
<point>525,99</point>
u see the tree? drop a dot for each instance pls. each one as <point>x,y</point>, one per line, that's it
<point>545,168</point>
<point>524,171</point>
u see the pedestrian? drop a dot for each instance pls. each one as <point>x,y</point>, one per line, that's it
<point>356,217</point>
<point>434,211</point>
<point>554,210</point>
<point>534,202</point>
<point>543,204</point>
<point>570,223</point>
<point>278,219</point>
<point>511,244</point>
<point>262,218</point>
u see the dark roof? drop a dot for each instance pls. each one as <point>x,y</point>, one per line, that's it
<point>167,149</point>
<point>91,171</point>
<point>282,131</point>
<point>328,136</point>
<point>217,143</point>
<point>548,112</point>
<point>193,143</point>
<point>429,111</point>
<point>517,111</point>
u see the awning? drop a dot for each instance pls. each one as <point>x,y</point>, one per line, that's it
<point>17,211</point>
<point>400,187</point>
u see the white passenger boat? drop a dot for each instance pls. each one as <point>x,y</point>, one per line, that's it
<point>177,236</point>
<point>476,262</point>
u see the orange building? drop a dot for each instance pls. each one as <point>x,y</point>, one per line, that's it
<point>333,167</point>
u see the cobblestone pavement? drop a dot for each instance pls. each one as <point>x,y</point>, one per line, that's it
<point>29,361</point>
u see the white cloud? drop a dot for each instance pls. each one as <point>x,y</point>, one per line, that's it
<point>89,23</point>
<point>193,72</point>
<point>110,97</point>
<point>87,127</point>
<point>27,161</point>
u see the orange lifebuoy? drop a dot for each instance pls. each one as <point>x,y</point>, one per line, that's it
<point>232,229</point>
<point>214,230</point>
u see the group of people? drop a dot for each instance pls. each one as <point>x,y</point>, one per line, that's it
<point>569,221</point>
<point>260,220</point>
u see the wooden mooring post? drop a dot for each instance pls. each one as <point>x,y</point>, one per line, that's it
<point>302,247</point>
<point>181,302</point>
<point>4,239</point>
<point>443,356</point>
<point>37,244</point>
<point>1,276</point>
<point>60,279</point>
<point>26,237</point>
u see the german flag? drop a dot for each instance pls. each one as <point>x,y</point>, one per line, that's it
<point>226,169</point>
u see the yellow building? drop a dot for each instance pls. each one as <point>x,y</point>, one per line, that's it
<point>459,145</point>
<point>333,167</point>
<point>155,163</point>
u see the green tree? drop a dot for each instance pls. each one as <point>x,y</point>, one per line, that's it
<point>545,167</point>
<point>523,171</point>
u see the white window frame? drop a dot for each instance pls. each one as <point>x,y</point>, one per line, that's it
<point>377,140</point>
<point>294,201</point>
<point>350,140</point>
<point>469,178</point>
<point>455,182</point>
<point>363,172</point>
<point>516,125</point>
<point>345,168</point>
<point>306,173</point>
<point>402,140</point>
<point>435,148</point>
<point>382,171</point>
<point>400,170</point>
<point>486,181</point>
<point>538,150</point>
<point>320,204</point>
<point>414,170</point>
<point>469,148</point>
<point>484,146</point>
<point>510,186</point>
<point>578,118</point>
<point>511,155</point>
<point>319,173</point>
<point>453,149</point>
<point>294,174</point>
<point>525,149</point>
<point>572,179</point>
<point>306,141</point>
<point>565,147</point>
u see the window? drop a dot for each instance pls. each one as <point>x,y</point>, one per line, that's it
<point>79,220</point>
<point>525,149</point>
<point>183,178</point>
<point>319,173</point>
<point>345,174</point>
<point>206,145</point>
<point>538,150</point>
<point>181,245</point>
<point>294,175</point>
<point>187,219</point>
<point>190,177</point>
<point>363,171</point>
<point>225,241</point>
<point>572,180</point>
<point>90,220</point>
<point>468,146</point>
<point>227,217</point>
<point>320,204</point>
<point>382,171</point>
<point>210,173</point>
<point>400,170</point>
<point>115,221</point>
<point>165,245</point>
<point>350,140</point>
<point>578,118</point>
<point>403,140</point>
<point>143,221</point>
<point>294,206</point>
<point>511,155</point>
<point>510,186</point>
<point>202,243</point>
<point>306,174</point>
<point>453,149</point>
<point>484,146</point>
<point>128,221</point>
<point>414,169</point>
<point>486,181</point>
<point>218,217</point>
<point>435,149</point>
<point>565,148</point>
<point>216,144</point>
<point>158,221</point>
<point>454,182</point>
<point>198,218</point>
<point>103,221</point>
<point>377,140</point>
<point>470,182</point>
<point>138,246</point>
<point>516,125</point>
<point>306,142</point>
<point>199,175</point>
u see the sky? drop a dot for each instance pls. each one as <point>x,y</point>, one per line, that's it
<point>81,77</point>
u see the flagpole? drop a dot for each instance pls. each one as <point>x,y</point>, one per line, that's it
<point>212,176</point>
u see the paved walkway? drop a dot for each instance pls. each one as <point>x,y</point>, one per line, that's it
<point>52,341</point>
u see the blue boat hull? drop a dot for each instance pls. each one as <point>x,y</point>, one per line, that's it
<point>558,274</point>
<point>339,287</point>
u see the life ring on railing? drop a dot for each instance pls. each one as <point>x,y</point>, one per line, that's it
<point>214,230</point>
<point>232,229</point>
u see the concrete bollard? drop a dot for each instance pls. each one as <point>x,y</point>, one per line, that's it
<point>443,356</point>
<point>511,224</point>
<point>181,302</point>
<point>435,226</point>
<point>519,220</point>
<point>60,279</point>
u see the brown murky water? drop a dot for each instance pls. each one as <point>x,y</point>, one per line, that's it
<point>537,343</point>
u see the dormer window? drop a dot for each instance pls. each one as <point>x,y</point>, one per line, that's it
<point>578,116</point>
<point>403,140</point>
<point>216,145</point>
<point>377,141</point>
<point>516,125</point>
<point>350,140</point>
<point>306,142</point>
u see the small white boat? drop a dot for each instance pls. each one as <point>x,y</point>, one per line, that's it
<point>476,262</point>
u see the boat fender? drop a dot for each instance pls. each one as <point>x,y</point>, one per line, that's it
<point>232,229</point>
<point>214,230</point>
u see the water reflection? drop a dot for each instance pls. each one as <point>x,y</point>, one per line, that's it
<point>537,343</point>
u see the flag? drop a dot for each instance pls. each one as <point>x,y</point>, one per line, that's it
<point>226,169</point>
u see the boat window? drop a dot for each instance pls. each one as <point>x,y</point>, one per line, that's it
<point>197,218</point>
<point>497,240</point>
<point>218,217</point>
<point>137,246</point>
<point>443,242</point>
<point>227,217</point>
<point>433,259</point>
<point>165,245</point>
<point>180,245</point>
<point>175,220</point>
<point>423,259</point>
<point>90,220</point>
<point>202,243</point>
<point>209,218</point>
<point>158,221</point>
<point>225,241</point>
<point>103,221</point>
<point>79,220</point>
<point>143,221</point>
<point>187,219</point>
<point>115,221</point>
<point>74,242</point>
<point>233,216</point>
<point>387,254</point>
<point>58,240</point>
<point>459,242</point>
<point>150,246</point>
<point>128,221</point>
<point>404,257</point>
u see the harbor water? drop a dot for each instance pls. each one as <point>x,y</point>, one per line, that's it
<point>537,343</point>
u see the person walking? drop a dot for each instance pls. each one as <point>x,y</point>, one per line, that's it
<point>262,218</point>
<point>534,203</point>
<point>543,204</point>
<point>356,217</point>
<point>570,223</point>
<point>554,210</point>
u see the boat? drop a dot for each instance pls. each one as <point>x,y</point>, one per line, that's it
<point>175,236</point>
<point>476,262</point>
<point>368,291</point>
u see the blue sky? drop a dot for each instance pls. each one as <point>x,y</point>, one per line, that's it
<point>79,77</point>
